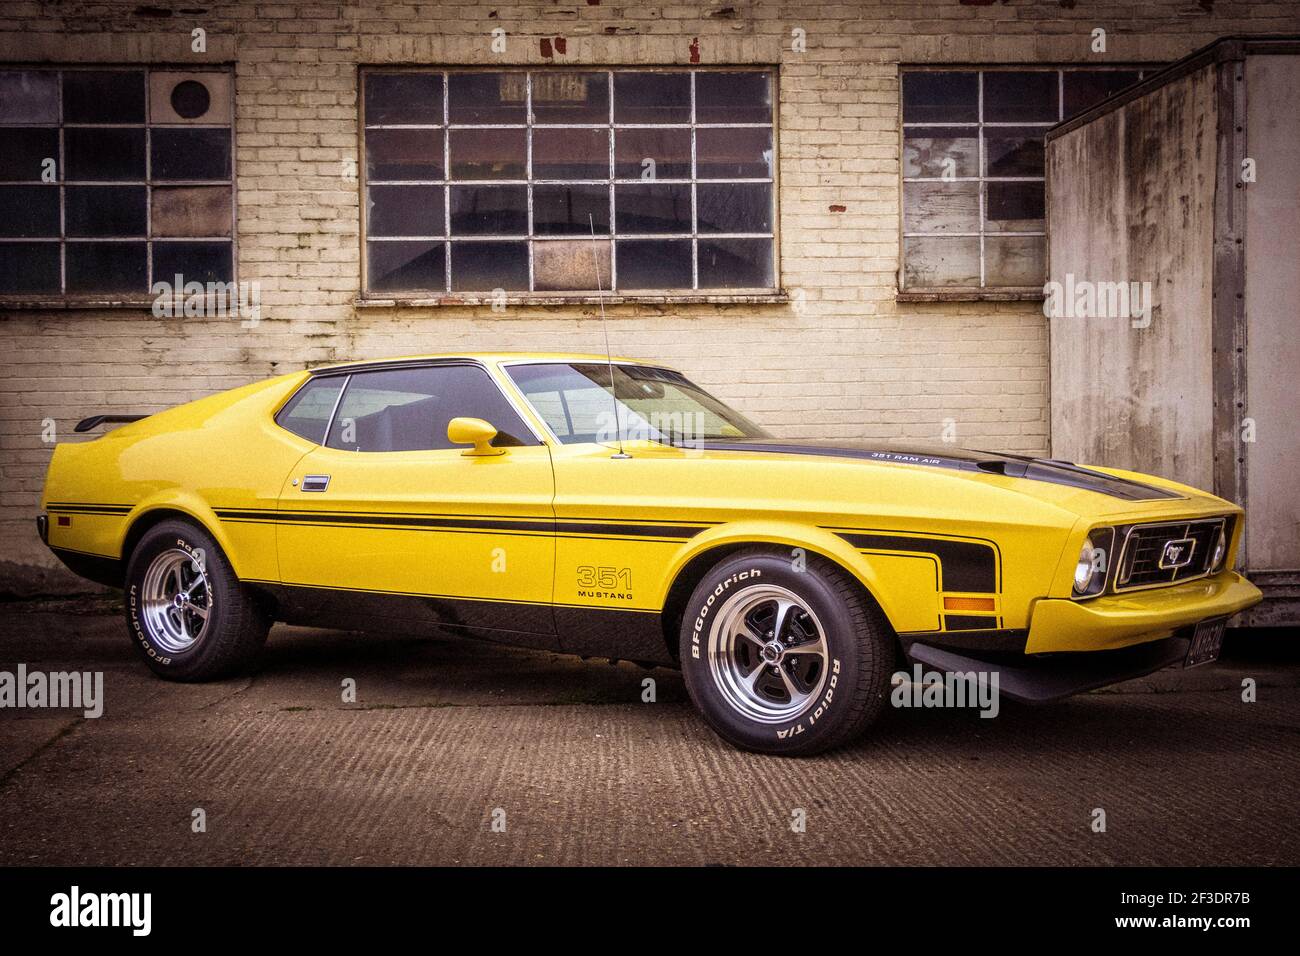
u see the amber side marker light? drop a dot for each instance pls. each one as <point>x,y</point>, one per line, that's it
<point>967,604</point>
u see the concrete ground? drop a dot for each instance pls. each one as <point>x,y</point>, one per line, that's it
<point>447,733</point>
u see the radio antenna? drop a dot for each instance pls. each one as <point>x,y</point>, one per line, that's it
<point>604,324</point>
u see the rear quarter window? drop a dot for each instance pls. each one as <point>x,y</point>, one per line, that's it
<point>307,414</point>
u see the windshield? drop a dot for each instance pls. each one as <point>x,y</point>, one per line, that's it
<point>652,403</point>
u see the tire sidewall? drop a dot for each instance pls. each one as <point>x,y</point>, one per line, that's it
<point>166,537</point>
<point>822,719</point>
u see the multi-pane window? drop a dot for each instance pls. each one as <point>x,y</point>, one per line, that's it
<point>485,181</point>
<point>973,170</point>
<point>114,178</point>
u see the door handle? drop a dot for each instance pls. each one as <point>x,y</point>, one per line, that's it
<point>315,482</point>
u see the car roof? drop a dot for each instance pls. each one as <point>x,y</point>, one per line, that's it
<point>486,358</point>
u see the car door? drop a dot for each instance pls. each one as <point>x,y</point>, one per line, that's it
<point>388,517</point>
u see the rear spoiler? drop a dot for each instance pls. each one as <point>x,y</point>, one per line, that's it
<point>94,421</point>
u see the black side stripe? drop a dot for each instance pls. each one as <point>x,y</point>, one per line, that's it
<point>452,523</point>
<point>970,566</point>
<point>78,508</point>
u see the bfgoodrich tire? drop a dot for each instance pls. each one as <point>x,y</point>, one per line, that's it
<point>187,613</point>
<point>785,660</point>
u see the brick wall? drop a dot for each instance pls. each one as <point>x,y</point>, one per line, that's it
<point>843,359</point>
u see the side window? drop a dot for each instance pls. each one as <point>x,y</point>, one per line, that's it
<point>308,412</point>
<point>409,409</point>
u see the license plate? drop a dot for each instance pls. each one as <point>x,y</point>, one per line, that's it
<point>1207,641</point>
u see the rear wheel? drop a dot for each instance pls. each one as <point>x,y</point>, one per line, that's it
<point>782,658</point>
<point>189,616</point>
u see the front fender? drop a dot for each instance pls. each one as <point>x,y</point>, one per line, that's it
<point>904,587</point>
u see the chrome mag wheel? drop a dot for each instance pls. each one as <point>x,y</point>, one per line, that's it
<point>768,653</point>
<point>176,601</point>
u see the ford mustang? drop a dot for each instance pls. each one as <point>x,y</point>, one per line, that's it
<point>612,508</point>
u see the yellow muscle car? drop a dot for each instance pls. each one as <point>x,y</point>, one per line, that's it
<point>612,508</point>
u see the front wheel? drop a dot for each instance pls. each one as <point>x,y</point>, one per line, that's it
<point>189,616</point>
<point>785,657</point>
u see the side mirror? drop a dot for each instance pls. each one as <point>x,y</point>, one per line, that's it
<point>476,432</point>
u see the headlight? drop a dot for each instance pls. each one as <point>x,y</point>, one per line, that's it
<point>1220,551</point>
<point>1094,561</point>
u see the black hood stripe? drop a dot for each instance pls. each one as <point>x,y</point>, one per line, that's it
<point>1011,466</point>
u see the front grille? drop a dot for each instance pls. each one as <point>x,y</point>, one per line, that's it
<point>1167,553</point>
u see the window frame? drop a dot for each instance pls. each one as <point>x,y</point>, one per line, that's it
<point>983,292</point>
<point>448,296</point>
<point>130,300</point>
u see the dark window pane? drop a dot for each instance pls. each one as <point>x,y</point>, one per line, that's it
<point>405,211</point>
<point>397,99</point>
<point>1015,261</point>
<point>190,153</point>
<point>571,264</point>
<point>653,208</point>
<point>1085,88</point>
<point>1015,207</point>
<point>485,266</point>
<point>733,97</point>
<point>1017,97</point>
<point>104,153</point>
<point>489,210</point>
<point>107,267</point>
<point>29,96</point>
<point>940,96</point>
<point>23,151</point>
<point>654,264</point>
<point>935,151</point>
<point>489,153</point>
<point>736,264</point>
<point>29,211</point>
<point>95,96</point>
<point>410,409</point>
<point>734,207</point>
<point>571,154</point>
<point>196,261</point>
<point>478,98</point>
<point>652,153</point>
<point>652,97</point>
<point>563,210</point>
<point>931,262</point>
<point>105,211</point>
<point>29,267</point>
<point>733,153</point>
<point>570,98</point>
<point>191,211</point>
<point>407,266</point>
<point>1013,151</point>
<point>404,154</point>
<point>309,411</point>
